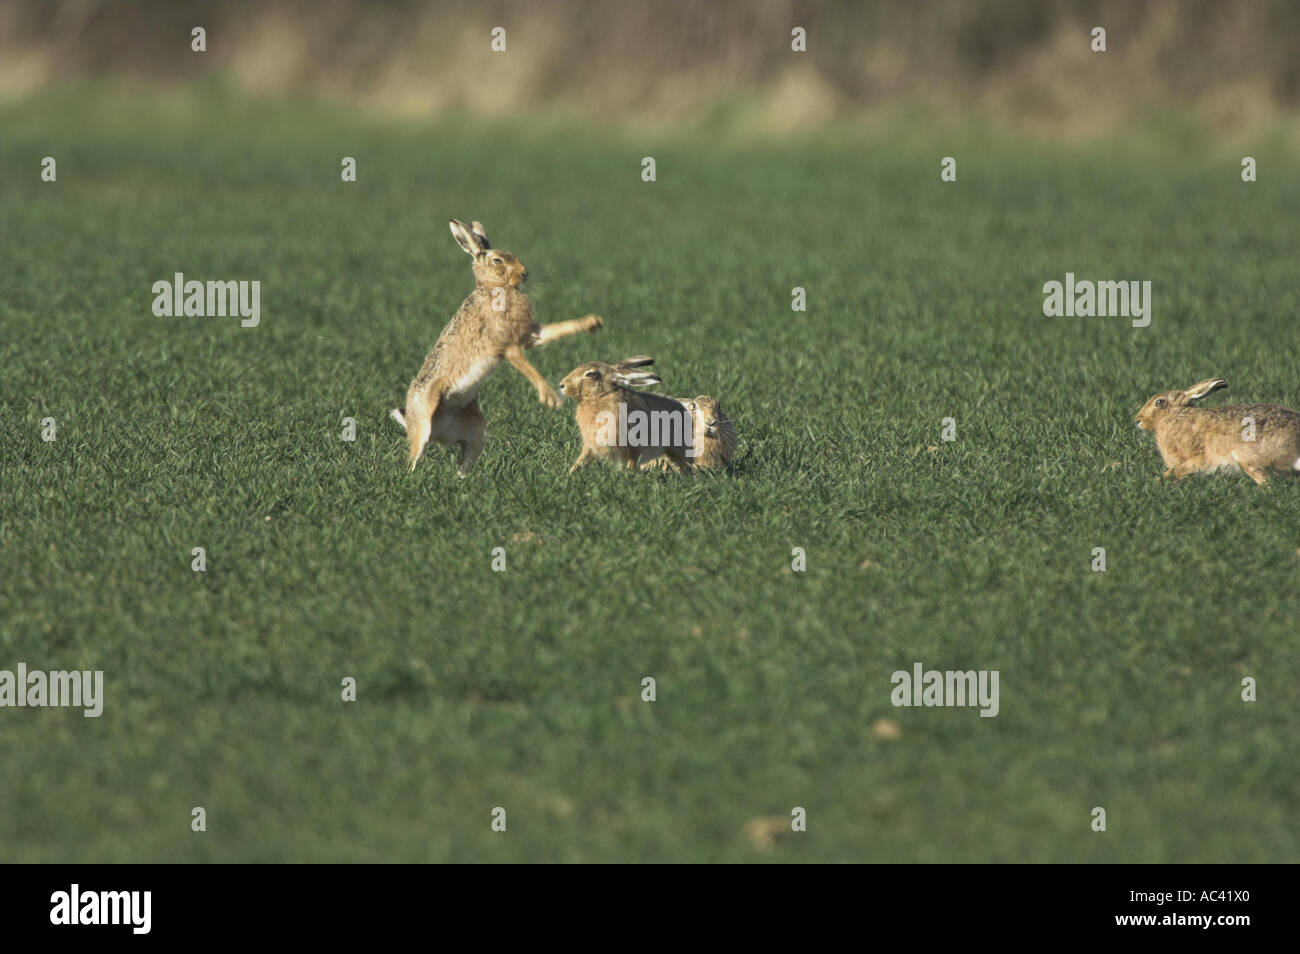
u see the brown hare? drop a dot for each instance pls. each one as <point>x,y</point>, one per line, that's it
<point>713,434</point>
<point>622,426</point>
<point>1258,438</point>
<point>494,322</point>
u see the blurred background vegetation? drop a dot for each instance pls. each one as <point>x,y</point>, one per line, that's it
<point>1219,73</point>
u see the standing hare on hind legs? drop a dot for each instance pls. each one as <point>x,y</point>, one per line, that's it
<point>494,322</point>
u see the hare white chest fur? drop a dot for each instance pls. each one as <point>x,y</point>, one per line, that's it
<point>464,390</point>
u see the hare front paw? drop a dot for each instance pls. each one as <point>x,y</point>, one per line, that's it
<point>592,322</point>
<point>548,397</point>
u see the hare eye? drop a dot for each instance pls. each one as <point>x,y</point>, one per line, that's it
<point>1160,402</point>
<point>496,261</point>
<point>593,373</point>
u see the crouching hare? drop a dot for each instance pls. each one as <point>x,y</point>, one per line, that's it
<point>494,322</point>
<point>1258,438</point>
<point>713,434</point>
<point>625,427</point>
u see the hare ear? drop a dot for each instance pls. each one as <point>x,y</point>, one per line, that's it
<point>482,234</point>
<point>467,239</point>
<point>640,361</point>
<point>1201,389</point>
<point>636,379</point>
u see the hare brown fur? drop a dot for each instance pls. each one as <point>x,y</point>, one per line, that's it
<point>655,425</point>
<point>1258,438</point>
<point>713,433</point>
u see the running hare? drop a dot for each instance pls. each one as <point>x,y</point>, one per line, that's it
<point>494,322</point>
<point>1255,437</point>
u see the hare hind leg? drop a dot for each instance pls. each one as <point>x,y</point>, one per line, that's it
<point>1257,474</point>
<point>471,431</point>
<point>418,429</point>
<point>421,407</point>
<point>417,434</point>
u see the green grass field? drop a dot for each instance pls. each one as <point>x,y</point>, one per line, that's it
<point>521,689</point>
